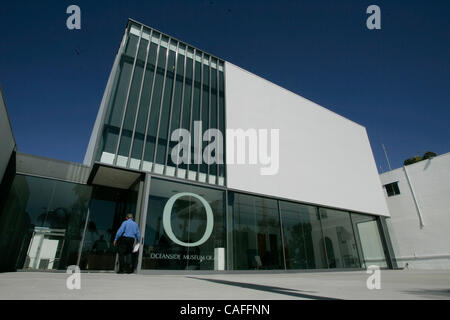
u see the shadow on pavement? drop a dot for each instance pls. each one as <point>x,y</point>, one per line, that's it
<point>431,292</point>
<point>285,291</point>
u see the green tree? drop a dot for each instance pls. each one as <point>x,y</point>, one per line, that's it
<point>429,155</point>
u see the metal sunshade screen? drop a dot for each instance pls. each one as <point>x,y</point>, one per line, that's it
<point>161,85</point>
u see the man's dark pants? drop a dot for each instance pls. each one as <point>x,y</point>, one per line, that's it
<point>125,250</point>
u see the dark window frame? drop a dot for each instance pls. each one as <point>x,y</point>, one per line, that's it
<point>392,189</point>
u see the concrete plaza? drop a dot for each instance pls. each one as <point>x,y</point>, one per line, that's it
<point>395,284</point>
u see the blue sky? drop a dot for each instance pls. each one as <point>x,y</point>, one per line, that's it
<point>394,81</point>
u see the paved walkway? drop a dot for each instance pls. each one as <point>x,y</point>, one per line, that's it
<point>395,284</point>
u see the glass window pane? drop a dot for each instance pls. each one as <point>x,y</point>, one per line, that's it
<point>205,113</point>
<point>256,233</point>
<point>155,105</point>
<point>144,103</point>
<point>369,240</point>
<point>302,236</point>
<point>165,110</point>
<point>176,107</point>
<point>339,239</point>
<point>188,220</point>
<point>41,224</point>
<point>113,118</point>
<point>133,98</point>
<point>195,152</point>
<point>396,189</point>
<point>186,114</point>
<point>392,189</point>
<point>107,210</point>
<point>132,41</point>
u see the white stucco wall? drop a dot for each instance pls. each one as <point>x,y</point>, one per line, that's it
<point>426,247</point>
<point>7,142</point>
<point>324,158</point>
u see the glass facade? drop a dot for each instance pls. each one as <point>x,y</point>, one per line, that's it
<point>50,224</point>
<point>160,85</point>
<point>256,233</point>
<point>41,225</point>
<point>273,234</point>
<point>302,236</point>
<point>46,224</point>
<point>339,239</point>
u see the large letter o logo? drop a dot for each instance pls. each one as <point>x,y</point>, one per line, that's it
<point>167,214</point>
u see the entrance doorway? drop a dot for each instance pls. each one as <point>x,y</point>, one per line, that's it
<point>107,210</point>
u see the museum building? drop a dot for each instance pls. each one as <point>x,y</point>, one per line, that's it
<point>316,202</point>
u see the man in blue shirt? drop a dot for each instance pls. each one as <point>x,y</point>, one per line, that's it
<point>126,234</point>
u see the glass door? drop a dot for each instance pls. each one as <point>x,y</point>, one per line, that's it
<point>107,211</point>
<point>369,240</point>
